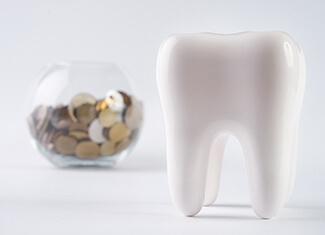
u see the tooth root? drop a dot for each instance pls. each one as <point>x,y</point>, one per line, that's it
<point>269,174</point>
<point>293,163</point>
<point>187,167</point>
<point>299,101</point>
<point>214,169</point>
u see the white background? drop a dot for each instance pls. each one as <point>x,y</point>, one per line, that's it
<point>37,198</point>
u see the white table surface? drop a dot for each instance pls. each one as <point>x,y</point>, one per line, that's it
<point>37,198</point>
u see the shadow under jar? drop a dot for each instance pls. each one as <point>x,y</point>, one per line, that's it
<point>84,114</point>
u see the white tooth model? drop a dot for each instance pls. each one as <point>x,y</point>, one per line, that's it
<point>249,85</point>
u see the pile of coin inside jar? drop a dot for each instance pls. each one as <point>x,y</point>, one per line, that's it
<point>88,128</point>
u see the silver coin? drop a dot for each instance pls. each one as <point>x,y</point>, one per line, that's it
<point>119,117</point>
<point>46,125</point>
<point>42,113</point>
<point>115,101</point>
<point>133,115</point>
<point>31,126</point>
<point>136,103</point>
<point>95,131</point>
<point>47,136</point>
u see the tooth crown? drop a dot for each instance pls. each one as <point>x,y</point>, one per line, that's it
<point>249,85</point>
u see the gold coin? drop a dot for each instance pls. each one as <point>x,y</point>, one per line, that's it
<point>60,118</point>
<point>86,113</point>
<point>107,148</point>
<point>77,126</point>
<point>107,117</point>
<point>118,132</point>
<point>79,135</point>
<point>77,101</point>
<point>101,105</point>
<point>58,133</point>
<point>124,144</point>
<point>65,145</point>
<point>87,149</point>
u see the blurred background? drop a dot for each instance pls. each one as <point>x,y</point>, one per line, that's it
<point>129,33</point>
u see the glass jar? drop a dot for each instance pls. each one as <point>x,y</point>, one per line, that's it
<point>84,114</point>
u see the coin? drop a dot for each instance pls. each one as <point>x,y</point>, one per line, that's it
<point>106,133</point>
<point>87,149</point>
<point>45,124</point>
<point>75,130</point>
<point>59,106</point>
<point>77,126</point>
<point>126,98</point>
<point>77,101</point>
<point>107,117</point>
<point>47,138</point>
<point>85,113</point>
<point>35,113</point>
<point>50,147</point>
<point>60,118</point>
<point>101,105</point>
<point>124,144</point>
<point>132,117</point>
<point>40,116</point>
<point>95,131</point>
<point>136,103</point>
<point>107,148</point>
<point>79,135</point>
<point>119,117</point>
<point>84,139</point>
<point>118,132</point>
<point>65,145</point>
<point>31,126</point>
<point>58,133</point>
<point>115,101</point>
